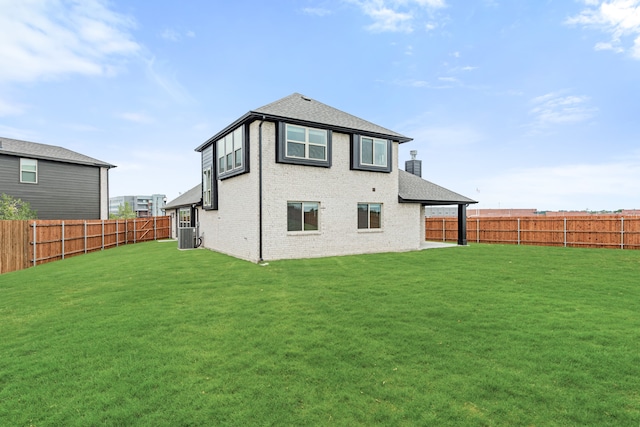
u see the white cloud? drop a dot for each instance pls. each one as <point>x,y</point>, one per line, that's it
<point>316,11</point>
<point>443,83</point>
<point>435,4</point>
<point>170,34</point>
<point>557,108</point>
<point>608,46</point>
<point>140,118</point>
<point>388,20</point>
<point>48,39</point>
<point>441,137</point>
<point>618,18</point>
<point>17,133</point>
<point>168,83</point>
<point>10,108</point>
<point>609,186</point>
<point>174,35</point>
<point>80,127</point>
<point>396,15</point>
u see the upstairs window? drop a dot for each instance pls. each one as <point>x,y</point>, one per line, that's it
<point>206,187</point>
<point>369,216</point>
<point>231,154</point>
<point>304,145</point>
<point>370,154</point>
<point>373,151</point>
<point>29,171</point>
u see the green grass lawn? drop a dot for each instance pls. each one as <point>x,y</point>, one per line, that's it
<point>484,335</point>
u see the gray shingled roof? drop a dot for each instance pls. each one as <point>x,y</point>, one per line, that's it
<point>412,188</point>
<point>304,109</point>
<point>35,150</point>
<point>300,107</point>
<point>191,197</point>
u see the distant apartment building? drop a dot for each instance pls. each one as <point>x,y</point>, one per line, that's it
<point>143,206</point>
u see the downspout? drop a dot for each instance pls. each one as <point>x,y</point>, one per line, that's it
<point>260,259</point>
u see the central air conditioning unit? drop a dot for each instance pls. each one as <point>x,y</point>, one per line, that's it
<point>187,238</point>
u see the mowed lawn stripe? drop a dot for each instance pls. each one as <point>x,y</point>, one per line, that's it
<point>480,335</point>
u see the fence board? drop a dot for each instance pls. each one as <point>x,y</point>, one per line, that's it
<point>56,239</point>
<point>13,252</point>
<point>594,231</point>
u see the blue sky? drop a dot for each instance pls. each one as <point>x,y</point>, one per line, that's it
<point>517,104</point>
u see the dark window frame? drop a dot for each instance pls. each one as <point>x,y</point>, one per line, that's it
<point>356,159</point>
<point>213,184</point>
<point>281,146</point>
<point>235,171</point>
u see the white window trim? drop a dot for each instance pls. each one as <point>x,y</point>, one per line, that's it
<point>22,170</point>
<point>306,143</point>
<point>181,222</point>
<point>369,229</point>
<point>373,154</point>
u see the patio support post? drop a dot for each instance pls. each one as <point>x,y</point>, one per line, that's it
<point>462,225</point>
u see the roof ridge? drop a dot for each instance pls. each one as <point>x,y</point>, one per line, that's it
<point>278,101</point>
<point>48,151</point>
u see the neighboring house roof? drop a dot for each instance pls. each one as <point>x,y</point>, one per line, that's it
<point>191,197</point>
<point>309,111</point>
<point>413,189</point>
<point>35,150</point>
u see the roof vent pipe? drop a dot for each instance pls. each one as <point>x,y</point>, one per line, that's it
<point>413,166</point>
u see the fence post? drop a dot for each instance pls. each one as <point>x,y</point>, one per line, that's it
<point>62,240</point>
<point>518,231</point>
<point>565,232</point>
<point>622,233</point>
<point>134,231</point>
<point>444,230</point>
<point>102,248</point>
<point>477,230</point>
<point>34,245</point>
<point>85,237</point>
<point>154,229</point>
<point>117,234</point>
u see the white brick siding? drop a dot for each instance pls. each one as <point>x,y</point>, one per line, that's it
<point>233,229</point>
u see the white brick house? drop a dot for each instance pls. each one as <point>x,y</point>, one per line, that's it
<point>297,178</point>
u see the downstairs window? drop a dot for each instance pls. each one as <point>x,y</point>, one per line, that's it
<point>369,216</point>
<point>302,216</point>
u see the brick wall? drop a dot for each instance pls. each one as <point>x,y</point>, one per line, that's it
<point>233,229</point>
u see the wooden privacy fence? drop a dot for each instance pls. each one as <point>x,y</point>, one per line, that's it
<point>595,231</point>
<point>29,243</point>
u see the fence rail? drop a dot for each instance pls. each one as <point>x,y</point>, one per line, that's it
<point>595,231</point>
<point>30,243</point>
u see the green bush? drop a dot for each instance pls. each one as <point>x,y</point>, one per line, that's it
<point>14,208</point>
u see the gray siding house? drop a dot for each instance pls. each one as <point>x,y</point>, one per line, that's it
<point>298,179</point>
<point>58,183</point>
